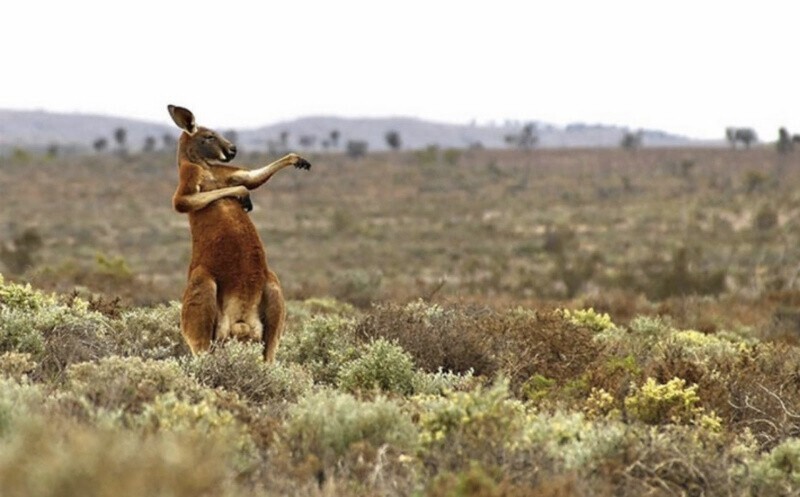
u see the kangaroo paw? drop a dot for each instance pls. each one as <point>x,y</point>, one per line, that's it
<point>303,164</point>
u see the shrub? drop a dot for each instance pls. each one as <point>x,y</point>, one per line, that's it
<point>461,426</point>
<point>240,367</point>
<point>18,401</point>
<point>442,382</point>
<point>328,423</point>
<point>152,333</point>
<point>358,287</point>
<point>649,326</point>
<point>128,383</point>
<point>19,332</point>
<point>205,417</point>
<point>45,460</point>
<point>672,402</point>
<point>569,439</point>
<point>382,365</point>
<point>438,338</point>
<point>778,472</point>
<point>321,345</point>
<point>590,319</point>
<point>16,365</point>
<point>56,335</point>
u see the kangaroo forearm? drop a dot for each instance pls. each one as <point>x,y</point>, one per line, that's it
<point>256,177</point>
<point>197,201</point>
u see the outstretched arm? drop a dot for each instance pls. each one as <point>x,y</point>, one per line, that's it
<point>254,178</point>
<point>188,198</point>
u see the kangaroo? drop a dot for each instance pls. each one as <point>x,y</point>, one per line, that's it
<point>230,293</point>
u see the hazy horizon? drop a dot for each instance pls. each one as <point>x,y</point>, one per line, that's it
<point>685,68</point>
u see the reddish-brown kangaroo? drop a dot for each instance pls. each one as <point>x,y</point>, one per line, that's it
<point>231,293</point>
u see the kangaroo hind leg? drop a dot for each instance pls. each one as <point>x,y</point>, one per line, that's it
<point>199,314</point>
<point>273,315</point>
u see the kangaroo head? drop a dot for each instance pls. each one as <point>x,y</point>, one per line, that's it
<point>199,144</point>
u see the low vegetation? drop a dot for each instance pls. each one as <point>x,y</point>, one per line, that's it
<point>460,323</point>
<point>381,402</point>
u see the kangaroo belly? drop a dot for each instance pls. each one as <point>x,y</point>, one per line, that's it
<point>226,243</point>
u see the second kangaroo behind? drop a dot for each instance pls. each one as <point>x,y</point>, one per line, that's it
<point>231,293</point>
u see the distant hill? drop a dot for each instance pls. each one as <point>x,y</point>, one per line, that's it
<point>40,129</point>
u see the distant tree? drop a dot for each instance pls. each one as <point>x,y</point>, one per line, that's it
<point>334,137</point>
<point>149,144</point>
<point>784,144</point>
<point>744,135</point>
<point>529,136</point>
<point>307,141</point>
<point>168,141</point>
<point>393,140</point>
<point>52,150</point>
<point>357,148</point>
<point>100,145</point>
<point>631,140</point>
<point>285,139</point>
<point>121,137</point>
<point>526,139</point>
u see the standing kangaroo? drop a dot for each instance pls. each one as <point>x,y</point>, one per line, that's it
<point>231,292</point>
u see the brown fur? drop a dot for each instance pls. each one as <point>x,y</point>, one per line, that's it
<point>230,291</point>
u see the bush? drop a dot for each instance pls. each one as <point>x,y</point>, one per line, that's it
<point>328,423</point>
<point>480,425</point>
<point>56,335</point>
<point>778,472</point>
<point>240,367</point>
<point>382,365</point>
<point>128,383</point>
<point>438,338</point>
<point>358,287</point>
<point>16,365</point>
<point>442,382</point>
<point>321,345</point>
<point>152,333</point>
<point>43,460</point>
<point>672,402</point>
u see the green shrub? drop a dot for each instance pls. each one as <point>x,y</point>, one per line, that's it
<point>649,326</point>
<point>480,425</point>
<point>47,460</point>
<point>442,382</point>
<point>205,417</point>
<point>19,331</point>
<point>16,365</point>
<point>438,338</point>
<point>569,439</point>
<point>328,423</point>
<point>23,297</point>
<point>321,345</point>
<point>152,333</point>
<point>128,383</point>
<point>240,367</point>
<point>778,472</point>
<point>382,365</point>
<point>590,319</point>
<point>358,287</point>
<point>672,402</point>
<point>18,401</point>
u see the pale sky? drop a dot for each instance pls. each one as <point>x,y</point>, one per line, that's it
<point>687,67</point>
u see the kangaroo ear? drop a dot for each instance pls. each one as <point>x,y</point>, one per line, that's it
<point>183,118</point>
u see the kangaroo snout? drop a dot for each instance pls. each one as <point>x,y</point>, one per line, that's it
<point>230,153</point>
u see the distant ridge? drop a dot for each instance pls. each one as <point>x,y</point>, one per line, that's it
<point>40,129</point>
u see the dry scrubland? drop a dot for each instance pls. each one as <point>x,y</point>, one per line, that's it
<point>478,373</point>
